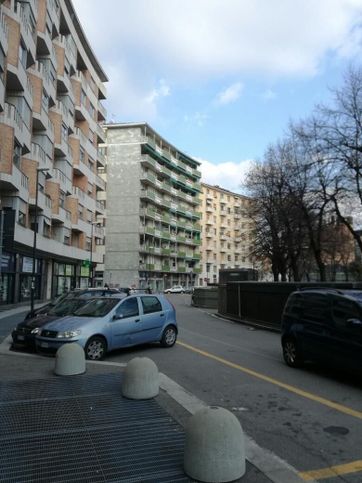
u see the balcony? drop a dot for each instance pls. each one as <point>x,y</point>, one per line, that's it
<point>84,199</point>
<point>101,159</point>
<point>12,118</point>
<point>102,113</point>
<point>15,181</point>
<point>62,216</point>
<point>4,33</point>
<point>100,134</point>
<point>100,183</point>
<point>44,204</point>
<point>39,155</point>
<point>26,33</point>
<point>100,208</point>
<point>65,183</point>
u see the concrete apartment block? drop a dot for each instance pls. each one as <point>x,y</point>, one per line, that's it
<point>153,231</point>
<point>227,232</point>
<point>51,92</point>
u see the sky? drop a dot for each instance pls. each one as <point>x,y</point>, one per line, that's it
<point>221,79</point>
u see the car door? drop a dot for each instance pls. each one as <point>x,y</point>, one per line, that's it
<point>126,325</point>
<point>347,336</point>
<point>316,325</point>
<point>153,318</point>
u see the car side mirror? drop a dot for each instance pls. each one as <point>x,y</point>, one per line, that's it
<point>117,317</point>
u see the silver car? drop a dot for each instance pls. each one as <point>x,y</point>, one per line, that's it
<point>105,324</point>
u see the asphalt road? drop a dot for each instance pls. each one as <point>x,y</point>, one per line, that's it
<point>310,417</point>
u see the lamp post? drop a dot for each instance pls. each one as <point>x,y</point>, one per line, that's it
<point>91,255</point>
<point>32,288</point>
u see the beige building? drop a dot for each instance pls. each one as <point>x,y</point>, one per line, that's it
<point>51,92</point>
<point>226,232</point>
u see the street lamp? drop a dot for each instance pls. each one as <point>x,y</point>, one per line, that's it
<point>91,255</point>
<point>32,289</point>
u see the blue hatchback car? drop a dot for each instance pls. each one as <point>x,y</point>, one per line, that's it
<point>105,324</point>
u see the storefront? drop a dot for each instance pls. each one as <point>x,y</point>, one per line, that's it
<point>64,278</point>
<point>26,276</point>
<point>7,278</point>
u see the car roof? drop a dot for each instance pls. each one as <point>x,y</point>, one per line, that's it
<point>353,294</point>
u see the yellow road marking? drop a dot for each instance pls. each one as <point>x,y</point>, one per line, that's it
<point>332,472</point>
<point>271,380</point>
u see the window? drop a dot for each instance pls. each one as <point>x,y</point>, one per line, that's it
<point>151,305</point>
<point>64,132</point>
<point>2,63</point>
<point>83,97</point>
<point>21,218</point>
<point>61,198</point>
<point>45,101</point>
<point>91,136</point>
<point>81,154</point>
<point>88,243</point>
<point>128,308</point>
<point>343,310</point>
<point>22,54</point>
<point>16,154</point>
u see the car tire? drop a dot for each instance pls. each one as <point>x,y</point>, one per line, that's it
<point>95,348</point>
<point>291,352</point>
<point>169,336</point>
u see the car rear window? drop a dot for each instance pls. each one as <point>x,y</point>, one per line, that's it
<point>150,305</point>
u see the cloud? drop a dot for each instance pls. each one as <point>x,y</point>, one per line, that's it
<point>187,42</point>
<point>162,91</point>
<point>230,94</point>
<point>268,95</point>
<point>197,118</point>
<point>229,175</point>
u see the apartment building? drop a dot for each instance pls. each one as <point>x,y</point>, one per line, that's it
<point>51,92</point>
<point>227,232</point>
<point>153,230</point>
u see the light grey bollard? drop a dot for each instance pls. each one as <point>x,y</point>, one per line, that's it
<point>140,379</point>
<point>70,360</point>
<point>214,446</point>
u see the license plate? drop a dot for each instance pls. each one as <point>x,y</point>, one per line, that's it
<point>44,344</point>
<point>20,337</point>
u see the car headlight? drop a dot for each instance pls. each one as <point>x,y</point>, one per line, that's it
<point>35,331</point>
<point>68,334</point>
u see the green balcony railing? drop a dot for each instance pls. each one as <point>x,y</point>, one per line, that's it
<point>150,266</point>
<point>197,270</point>
<point>181,268</point>
<point>165,268</point>
<point>165,235</point>
<point>149,231</point>
<point>165,251</point>
<point>181,254</point>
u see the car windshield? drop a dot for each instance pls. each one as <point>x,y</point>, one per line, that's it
<point>67,307</point>
<point>97,308</point>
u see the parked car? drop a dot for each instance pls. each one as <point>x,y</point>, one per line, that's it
<point>105,324</point>
<point>175,289</point>
<point>24,333</point>
<point>78,292</point>
<point>323,325</point>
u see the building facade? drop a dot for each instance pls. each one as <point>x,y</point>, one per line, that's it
<point>51,88</point>
<point>227,233</point>
<point>153,230</point>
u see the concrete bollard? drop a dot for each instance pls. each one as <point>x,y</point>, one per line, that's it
<point>214,446</point>
<point>141,379</point>
<point>70,360</point>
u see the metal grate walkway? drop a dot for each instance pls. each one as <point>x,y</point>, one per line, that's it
<point>80,429</point>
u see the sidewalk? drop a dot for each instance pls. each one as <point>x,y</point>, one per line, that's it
<point>79,428</point>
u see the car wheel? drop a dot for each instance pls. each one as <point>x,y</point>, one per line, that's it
<point>291,353</point>
<point>95,348</point>
<point>169,336</point>
<point>182,291</point>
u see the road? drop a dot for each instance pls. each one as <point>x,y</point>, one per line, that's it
<point>310,417</point>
